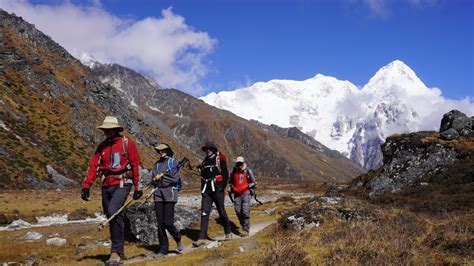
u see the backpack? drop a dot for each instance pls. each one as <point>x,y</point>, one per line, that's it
<point>178,185</point>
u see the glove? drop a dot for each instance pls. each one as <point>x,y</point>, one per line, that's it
<point>85,194</point>
<point>155,182</point>
<point>137,194</point>
<point>252,191</point>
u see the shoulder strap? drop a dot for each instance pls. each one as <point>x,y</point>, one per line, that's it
<point>218,161</point>
<point>125,145</point>
<point>170,164</point>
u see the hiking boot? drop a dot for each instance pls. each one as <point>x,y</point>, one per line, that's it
<point>244,233</point>
<point>180,245</point>
<point>114,259</point>
<point>200,242</point>
<point>228,236</point>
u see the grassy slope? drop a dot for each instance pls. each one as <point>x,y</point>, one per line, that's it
<point>431,224</point>
<point>44,136</point>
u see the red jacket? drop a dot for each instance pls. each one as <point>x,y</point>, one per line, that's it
<point>111,158</point>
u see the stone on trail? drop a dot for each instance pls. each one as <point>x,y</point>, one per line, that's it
<point>56,241</point>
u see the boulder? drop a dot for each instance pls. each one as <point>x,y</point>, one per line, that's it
<point>409,157</point>
<point>141,225</point>
<point>455,119</point>
<point>450,134</point>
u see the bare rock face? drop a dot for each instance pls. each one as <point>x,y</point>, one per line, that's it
<point>410,158</point>
<point>407,159</point>
<point>141,225</point>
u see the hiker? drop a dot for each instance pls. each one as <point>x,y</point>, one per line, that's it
<point>214,178</point>
<point>166,197</point>
<point>242,185</point>
<point>116,161</point>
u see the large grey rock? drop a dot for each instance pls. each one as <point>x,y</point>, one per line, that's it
<point>450,134</point>
<point>455,119</point>
<point>407,159</point>
<point>141,224</point>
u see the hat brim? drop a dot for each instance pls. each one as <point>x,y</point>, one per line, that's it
<point>204,148</point>
<point>110,126</point>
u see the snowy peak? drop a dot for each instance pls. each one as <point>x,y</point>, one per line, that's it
<point>396,75</point>
<point>339,115</point>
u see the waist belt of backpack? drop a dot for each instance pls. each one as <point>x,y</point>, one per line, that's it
<point>121,177</point>
<point>205,184</point>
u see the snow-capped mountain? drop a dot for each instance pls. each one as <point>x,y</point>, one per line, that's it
<point>341,116</point>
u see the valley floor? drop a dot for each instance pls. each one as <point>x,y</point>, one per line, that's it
<point>301,224</point>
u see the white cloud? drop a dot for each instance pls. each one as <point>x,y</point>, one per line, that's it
<point>164,47</point>
<point>384,8</point>
<point>378,8</point>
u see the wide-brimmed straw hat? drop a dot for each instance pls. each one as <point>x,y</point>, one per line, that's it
<point>164,147</point>
<point>110,122</point>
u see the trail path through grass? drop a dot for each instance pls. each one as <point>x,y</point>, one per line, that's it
<point>254,229</point>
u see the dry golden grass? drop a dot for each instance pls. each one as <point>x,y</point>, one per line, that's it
<point>29,204</point>
<point>400,230</point>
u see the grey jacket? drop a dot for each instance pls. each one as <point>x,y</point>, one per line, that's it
<point>166,191</point>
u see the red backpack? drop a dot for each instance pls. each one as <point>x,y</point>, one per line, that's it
<point>241,181</point>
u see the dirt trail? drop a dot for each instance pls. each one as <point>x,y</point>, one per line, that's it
<point>255,228</point>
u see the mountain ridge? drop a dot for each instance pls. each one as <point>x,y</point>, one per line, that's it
<point>51,105</point>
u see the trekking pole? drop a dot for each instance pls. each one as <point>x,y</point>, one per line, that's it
<point>103,224</point>
<point>158,177</point>
<point>255,197</point>
<point>181,163</point>
<point>230,197</point>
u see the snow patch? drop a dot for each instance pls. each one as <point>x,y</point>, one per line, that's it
<point>155,109</point>
<point>56,241</point>
<point>32,236</point>
<point>52,220</point>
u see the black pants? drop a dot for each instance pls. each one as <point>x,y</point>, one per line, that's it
<point>165,218</point>
<point>206,207</point>
<point>113,198</point>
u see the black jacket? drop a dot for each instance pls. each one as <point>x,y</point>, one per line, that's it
<point>210,172</point>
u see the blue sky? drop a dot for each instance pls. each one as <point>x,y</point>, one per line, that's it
<point>348,39</point>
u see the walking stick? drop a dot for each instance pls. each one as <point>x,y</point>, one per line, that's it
<point>103,224</point>
<point>157,177</point>
<point>255,197</point>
